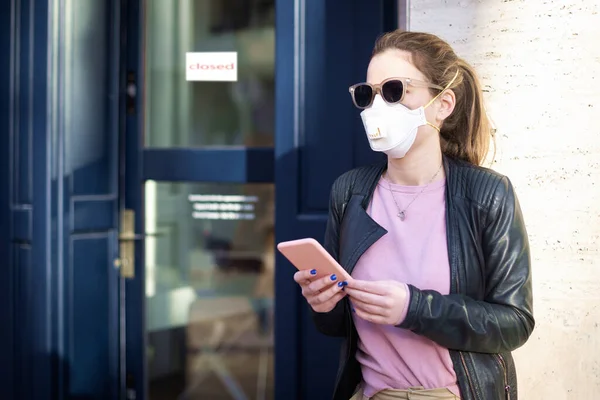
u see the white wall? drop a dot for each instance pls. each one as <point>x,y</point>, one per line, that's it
<point>541,64</point>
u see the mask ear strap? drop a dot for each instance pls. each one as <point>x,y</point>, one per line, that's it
<point>440,93</point>
<point>433,126</point>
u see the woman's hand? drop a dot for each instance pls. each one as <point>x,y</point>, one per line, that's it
<point>321,293</point>
<point>379,302</point>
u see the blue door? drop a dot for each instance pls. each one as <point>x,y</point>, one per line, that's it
<point>199,182</point>
<point>216,173</point>
<point>59,128</point>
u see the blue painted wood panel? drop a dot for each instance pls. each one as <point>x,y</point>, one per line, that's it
<point>19,318</point>
<point>24,319</point>
<point>7,316</point>
<point>59,199</point>
<point>86,189</point>
<point>91,329</point>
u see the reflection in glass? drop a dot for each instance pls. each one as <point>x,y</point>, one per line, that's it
<point>192,114</point>
<point>209,290</point>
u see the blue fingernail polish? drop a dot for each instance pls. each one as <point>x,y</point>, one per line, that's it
<point>333,277</point>
<point>313,271</point>
<point>345,283</point>
<point>353,310</point>
<point>341,284</point>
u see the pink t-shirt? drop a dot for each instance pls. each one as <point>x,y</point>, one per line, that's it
<point>414,251</point>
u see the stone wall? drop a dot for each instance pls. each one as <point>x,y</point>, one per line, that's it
<point>540,67</point>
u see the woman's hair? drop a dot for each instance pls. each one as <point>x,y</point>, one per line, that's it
<point>466,133</point>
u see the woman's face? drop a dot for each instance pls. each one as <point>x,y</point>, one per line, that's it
<point>396,64</point>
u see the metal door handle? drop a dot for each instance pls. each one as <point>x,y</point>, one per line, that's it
<point>138,236</point>
<point>127,239</point>
<point>130,236</point>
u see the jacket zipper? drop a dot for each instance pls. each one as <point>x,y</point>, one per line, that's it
<point>462,357</point>
<point>464,363</point>
<point>503,367</point>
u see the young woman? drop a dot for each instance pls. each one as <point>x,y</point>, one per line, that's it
<point>436,244</point>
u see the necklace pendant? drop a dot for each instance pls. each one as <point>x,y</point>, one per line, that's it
<point>402,215</point>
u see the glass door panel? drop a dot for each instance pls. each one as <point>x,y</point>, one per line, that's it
<point>198,114</point>
<point>209,247</point>
<point>209,290</point>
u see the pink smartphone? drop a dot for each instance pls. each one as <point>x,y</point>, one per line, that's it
<point>309,254</point>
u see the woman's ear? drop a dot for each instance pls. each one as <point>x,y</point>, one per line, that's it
<point>447,102</point>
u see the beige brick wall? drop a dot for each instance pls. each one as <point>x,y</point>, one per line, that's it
<point>540,64</point>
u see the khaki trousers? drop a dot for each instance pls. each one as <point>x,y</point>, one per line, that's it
<point>414,393</point>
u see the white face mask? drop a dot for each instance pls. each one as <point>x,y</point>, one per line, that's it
<point>392,128</point>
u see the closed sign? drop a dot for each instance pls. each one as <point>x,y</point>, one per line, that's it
<point>211,66</point>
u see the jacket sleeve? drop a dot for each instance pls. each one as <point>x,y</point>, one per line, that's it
<point>503,321</point>
<point>334,322</point>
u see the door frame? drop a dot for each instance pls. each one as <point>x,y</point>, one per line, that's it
<point>133,340</point>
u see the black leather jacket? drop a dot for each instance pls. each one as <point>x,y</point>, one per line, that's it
<point>489,310</point>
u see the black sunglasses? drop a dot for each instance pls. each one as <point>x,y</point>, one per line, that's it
<point>392,90</point>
